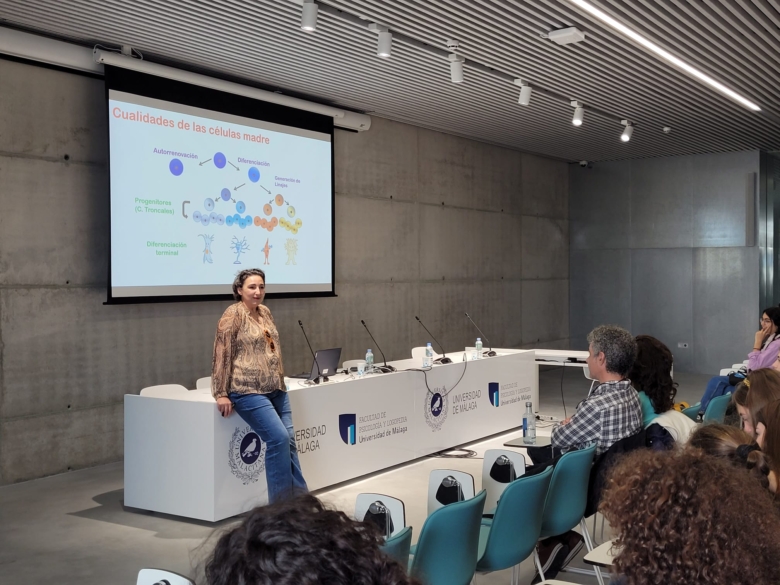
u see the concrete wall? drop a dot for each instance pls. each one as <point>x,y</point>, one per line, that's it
<point>427,224</point>
<point>666,247</point>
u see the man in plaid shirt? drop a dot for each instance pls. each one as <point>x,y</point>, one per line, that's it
<point>610,412</point>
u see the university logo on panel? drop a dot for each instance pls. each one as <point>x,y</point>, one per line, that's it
<point>348,428</point>
<point>436,408</point>
<point>494,394</point>
<point>246,455</point>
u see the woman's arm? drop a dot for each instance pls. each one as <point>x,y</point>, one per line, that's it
<point>763,358</point>
<point>222,361</point>
<point>278,344</point>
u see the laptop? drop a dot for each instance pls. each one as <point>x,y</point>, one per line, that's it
<point>329,363</point>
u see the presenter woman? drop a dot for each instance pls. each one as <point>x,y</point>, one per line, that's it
<point>247,375</point>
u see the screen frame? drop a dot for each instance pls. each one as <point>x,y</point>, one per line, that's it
<point>161,88</point>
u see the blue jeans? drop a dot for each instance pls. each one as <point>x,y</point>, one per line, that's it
<point>717,386</point>
<point>270,416</point>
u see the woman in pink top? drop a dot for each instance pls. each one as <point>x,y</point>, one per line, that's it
<point>765,349</point>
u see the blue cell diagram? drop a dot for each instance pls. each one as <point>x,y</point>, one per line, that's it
<point>207,241</point>
<point>224,209</point>
<point>239,247</point>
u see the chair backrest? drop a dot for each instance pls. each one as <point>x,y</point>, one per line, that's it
<point>568,493</point>
<point>447,549</point>
<point>496,477</point>
<point>203,383</point>
<point>439,494</point>
<point>517,522</point>
<point>160,577</point>
<point>395,509</point>
<point>398,546</point>
<point>164,390</point>
<point>692,412</point>
<point>716,409</point>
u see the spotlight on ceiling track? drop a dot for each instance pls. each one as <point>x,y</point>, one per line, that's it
<point>525,92</point>
<point>456,62</point>
<point>385,41</point>
<point>309,16</point>
<point>579,113</point>
<point>627,131</point>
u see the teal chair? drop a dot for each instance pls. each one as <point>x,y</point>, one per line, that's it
<point>567,498</point>
<point>446,552</point>
<point>398,546</point>
<point>716,409</point>
<point>510,537</point>
<point>692,412</point>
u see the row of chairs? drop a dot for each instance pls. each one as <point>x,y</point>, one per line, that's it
<point>457,541</point>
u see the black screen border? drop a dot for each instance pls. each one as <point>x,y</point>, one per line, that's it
<point>161,88</point>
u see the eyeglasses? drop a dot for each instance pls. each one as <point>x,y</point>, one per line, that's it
<point>766,321</point>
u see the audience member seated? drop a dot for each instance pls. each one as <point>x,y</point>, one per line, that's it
<point>763,387</point>
<point>735,446</point>
<point>651,377</point>
<point>686,518</point>
<point>768,438</point>
<point>739,401</point>
<point>766,346</point>
<point>300,542</point>
<point>611,412</point>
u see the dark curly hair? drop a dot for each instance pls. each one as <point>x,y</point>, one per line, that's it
<point>300,542</point>
<point>241,279</point>
<point>689,518</point>
<point>652,373</point>
<point>733,445</point>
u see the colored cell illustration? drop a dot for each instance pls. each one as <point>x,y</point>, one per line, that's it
<point>291,246</point>
<point>176,167</point>
<point>213,217</point>
<point>242,223</point>
<point>209,204</point>
<point>279,200</point>
<point>205,219</point>
<point>240,207</point>
<point>238,247</point>
<point>225,194</point>
<point>207,241</point>
<point>196,216</point>
<point>266,251</point>
<point>274,222</point>
<point>298,222</point>
<point>236,218</point>
<point>290,211</point>
<point>267,209</point>
<point>254,174</point>
<point>263,222</point>
<point>229,220</point>
<point>220,219</point>
<point>257,220</point>
<point>219,160</point>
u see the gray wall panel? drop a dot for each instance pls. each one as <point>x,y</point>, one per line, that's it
<point>600,205</point>
<point>545,187</point>
<point>446,169</point>
<point>661,202</point>
<point>600,291</point>
<point>498,179</point>
<point>724,277</point>
<point>662,299</point>
<point>545,248</point>
<point>543,318</point>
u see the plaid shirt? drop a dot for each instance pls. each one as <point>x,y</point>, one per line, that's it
<point>610,413</point>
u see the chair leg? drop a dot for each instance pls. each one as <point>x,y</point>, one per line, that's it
<point>514,575</point>
<point>538,562</point>
<point>589,546</point>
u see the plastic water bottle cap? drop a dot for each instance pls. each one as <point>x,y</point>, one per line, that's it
<point>479,339</point>
<point>429,344</point>
<point>368,351</point>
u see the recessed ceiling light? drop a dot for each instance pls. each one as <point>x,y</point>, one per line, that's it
<point>664,54</point>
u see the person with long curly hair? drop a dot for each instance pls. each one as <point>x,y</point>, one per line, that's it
<point>300,542</point>
<point>651,377</point>
<point>690,519</point>
<point>735,446</point>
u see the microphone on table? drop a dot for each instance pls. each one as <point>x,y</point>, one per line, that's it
<point>490,352</point>
<point>385,368</point>
<point>441,360</point>
<point>319,372</point>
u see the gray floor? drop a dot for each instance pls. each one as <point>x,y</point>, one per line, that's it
<point>72,528</point>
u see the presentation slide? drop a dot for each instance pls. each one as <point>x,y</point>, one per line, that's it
<point>198,195</point>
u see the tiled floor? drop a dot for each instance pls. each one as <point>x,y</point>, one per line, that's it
<point>72,528</point>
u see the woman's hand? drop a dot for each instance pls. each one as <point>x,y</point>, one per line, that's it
<point>761,336</point>
<point>224,405</point>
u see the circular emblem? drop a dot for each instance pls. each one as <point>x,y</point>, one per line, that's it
<point>246,455</point>
<point>436,408</point>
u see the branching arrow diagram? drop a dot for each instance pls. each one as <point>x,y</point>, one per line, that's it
<point>264,189</point>
<point>203,163</point>
<point>182,209</point>
<point>237,188</point>
<point>232,165</point>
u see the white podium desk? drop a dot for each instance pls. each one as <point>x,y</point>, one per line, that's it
<point>183,458</point>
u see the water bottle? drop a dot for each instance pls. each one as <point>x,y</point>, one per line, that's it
<point>529,425</point>
<point>478,345</point>
<point>428,359</point>
<point>369,361</point>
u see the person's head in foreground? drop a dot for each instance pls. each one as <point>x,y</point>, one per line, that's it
<point>688,518</point>
<point>739,400</point>
<point>300,542</point>
<point>763,388</point>
<point>652,373</point>
<point>733,445</point>
<point>612,351</point>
